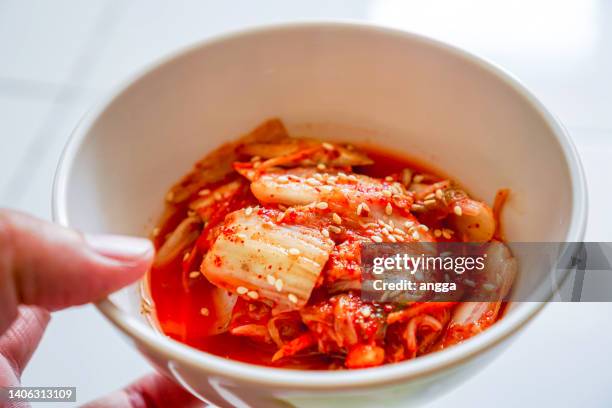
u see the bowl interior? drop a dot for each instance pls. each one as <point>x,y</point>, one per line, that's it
<point>357,84</point>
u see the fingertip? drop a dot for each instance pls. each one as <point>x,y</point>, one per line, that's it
<point>56,267</point>
<point>116,261</point>
<point>121,247</point>
<point>90,268</point>
<point>128,257</point>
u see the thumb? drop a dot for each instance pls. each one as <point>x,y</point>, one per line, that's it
<point>54,267</point>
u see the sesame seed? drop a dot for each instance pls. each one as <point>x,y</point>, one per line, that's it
<point>322,205</point>
<point>204,192</point>
<point>241,290</point>
<point>417,207</point>
<point>399,237</point>
<point>389,209</point>
<point>170,196</point>
<point>429,202</point>
<point>280,217</point>
<point>437,233</point>
<point>408,224</point>
<point>325,233</point>
<point>457,210</point>
<point>292,298</point>
<point>406,176</point>
<point>250,174</point>
<point>365,207</point>
<point>365,311</point>
<point>430,196</point>
<point>352,177</point>
<point>489,287</point>
<point>381,223</point>
<point>388,178</point>
<point>327,188</point>
<point>204,311</point>
<point>191,213</point>
<point>359,209</point>
<point>278,285</point>
<point>241,236</point>
<point>342,175</point>
<point>253,295</point>
<point>418,178</point>
<point>248,211</point>
<point>194,274</point>
<point>327,146</point>
<point>387,193</point>
<point>336,218</point>
<point>446,234</point>
<point>185,256</point>
<point>321,166</point>
<point>416,235</point>
<point>294,251</point>
<point>313,182</point>
<point>156,231</point>
<point>469,283</point>
<point>334,229</point>
<point>439,194</point>
<point>423,227</point>
<point>256,164</point>
<point>391,238</point>
<point>271,279</point>
<point>318,176</point>
<point>282,179</point>
<point>217,196</point>
<point>255,158</point>
<point>332,180</point>
<point>376,238</point>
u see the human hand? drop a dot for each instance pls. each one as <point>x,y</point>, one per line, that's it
<point>44,268</point>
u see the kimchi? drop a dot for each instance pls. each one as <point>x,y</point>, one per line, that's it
<point>258,254</point>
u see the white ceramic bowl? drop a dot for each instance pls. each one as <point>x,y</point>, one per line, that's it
<point>341,81</point>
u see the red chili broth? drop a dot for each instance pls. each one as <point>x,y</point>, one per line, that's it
<point>177,308</point>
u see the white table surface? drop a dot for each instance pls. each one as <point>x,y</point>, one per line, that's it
<point>57,57</point>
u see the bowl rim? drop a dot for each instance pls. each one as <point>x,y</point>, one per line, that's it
<point>325,380</point>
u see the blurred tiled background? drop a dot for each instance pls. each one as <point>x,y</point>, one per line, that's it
<point>58,56</point>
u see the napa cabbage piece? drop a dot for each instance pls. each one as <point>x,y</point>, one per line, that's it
<point>345,193</point>
<point>218,165</point>
<point>256,257</point>
<point>292,152</point>
<point>183,236</point>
